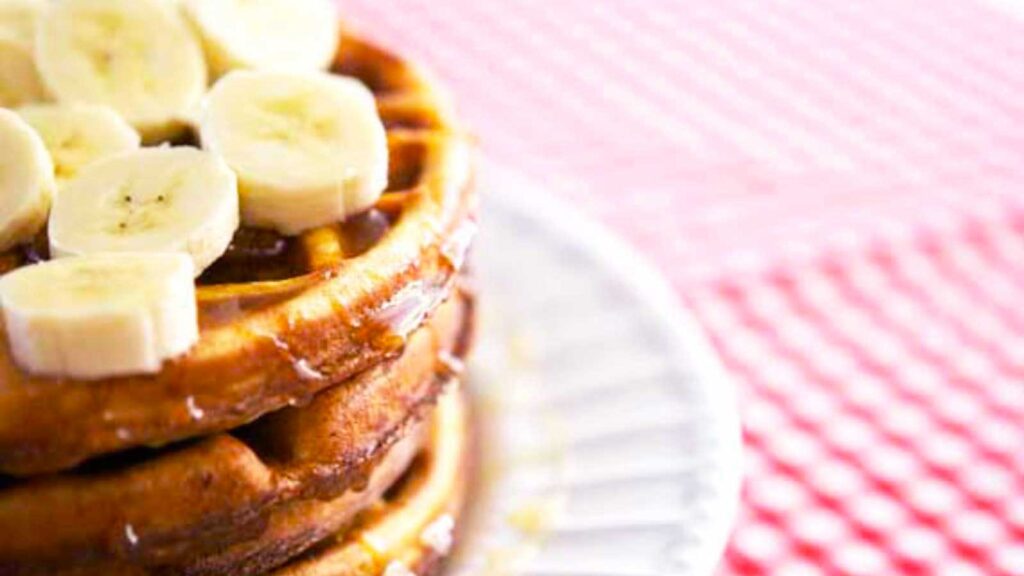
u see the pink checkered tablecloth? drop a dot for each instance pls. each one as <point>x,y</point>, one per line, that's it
<point>837,189</point>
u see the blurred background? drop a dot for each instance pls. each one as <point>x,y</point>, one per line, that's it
<point>836,188</point>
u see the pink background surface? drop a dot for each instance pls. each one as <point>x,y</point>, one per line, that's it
<point>836,187</point>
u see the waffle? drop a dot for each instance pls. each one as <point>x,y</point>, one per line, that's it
<point>409,528</point>
<point>400,532</point>
<point>244,501</point>
<point>281,319</point>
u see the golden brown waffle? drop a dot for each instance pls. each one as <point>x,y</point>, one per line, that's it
<point>399,532</point>
<point>281,318</point>
<point>401,528</point>
<point>242,502</point>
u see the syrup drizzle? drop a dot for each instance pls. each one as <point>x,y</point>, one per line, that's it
<point>194,411</point>
<point>130,536</point>
<point>362,232</point>
<point>406,311</point>
<point>254,255</point>
<point>456,247</point>
<point>450,365</point>
<point>216,311</point>
<point>300,366</point>
<point>305,371</point>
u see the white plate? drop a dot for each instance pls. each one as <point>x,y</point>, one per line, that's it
<point>611,442</point>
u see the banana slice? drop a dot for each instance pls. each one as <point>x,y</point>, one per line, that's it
<point>265,34</point>
<point>18,19</point>
<point>19,80</point>
<point>101,315</point>
<point>79,134</point>
<point>26,181</point>
<point>136,56</point>
<point>149,200</point>
<point>309,148</point>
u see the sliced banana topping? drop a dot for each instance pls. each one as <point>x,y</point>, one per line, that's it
<point>136,56</point>
<point>78,134</point>
<point>149,200</point>
<point>102,315</point>
<point>26,181</point>
<point>19,80</point>
<point>309,148</point>
<point>18,19</point>
<point>265,34</point>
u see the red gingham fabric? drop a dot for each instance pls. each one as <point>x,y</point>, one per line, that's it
<point>836,187</point>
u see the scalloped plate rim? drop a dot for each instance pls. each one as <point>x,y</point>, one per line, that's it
<point>647,285</point>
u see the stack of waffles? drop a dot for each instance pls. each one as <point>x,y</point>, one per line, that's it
<point>207,366</point>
